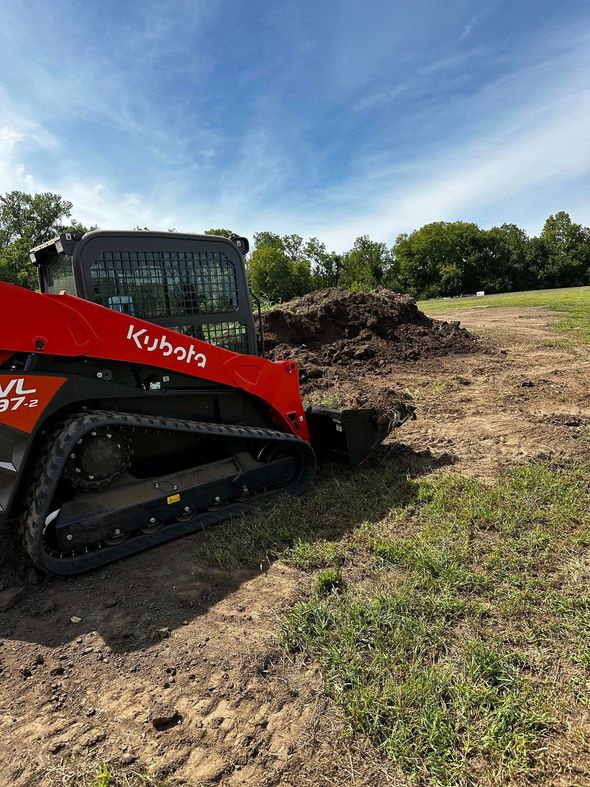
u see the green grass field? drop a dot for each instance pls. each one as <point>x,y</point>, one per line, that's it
<point>572,303</point>
<point>463,644</point>
<point>450,618</point>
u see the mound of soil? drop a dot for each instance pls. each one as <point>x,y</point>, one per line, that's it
<point>337,335</point>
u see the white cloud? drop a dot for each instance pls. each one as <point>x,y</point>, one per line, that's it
<point>372,100</point>
<point>9,138</point>
<point>486,177</point>
<point>540,148</point>
<point>12,173</point>
<point>474,22</point>
<point>522,136</point>
<point>525,138</point>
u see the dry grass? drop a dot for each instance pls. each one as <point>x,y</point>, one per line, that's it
<point>89,774</point>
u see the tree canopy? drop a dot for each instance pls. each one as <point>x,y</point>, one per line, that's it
<point>223,232</point>
<point>278,268</point>
<point>27,220</point>
<point>456,258</point>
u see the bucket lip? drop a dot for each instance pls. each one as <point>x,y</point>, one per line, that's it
<point>347,411</point>
<point>349,435</point>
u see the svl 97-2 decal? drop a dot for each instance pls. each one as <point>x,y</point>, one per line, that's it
<point>24,397</point>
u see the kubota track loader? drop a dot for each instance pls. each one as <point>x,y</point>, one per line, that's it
<point>135,402</point>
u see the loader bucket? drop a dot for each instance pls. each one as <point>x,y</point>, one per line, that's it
<point>350,435</point>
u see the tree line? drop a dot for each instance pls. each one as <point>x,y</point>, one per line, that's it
<point>439,259</point>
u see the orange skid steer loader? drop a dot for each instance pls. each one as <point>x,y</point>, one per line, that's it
<point>136,405</point>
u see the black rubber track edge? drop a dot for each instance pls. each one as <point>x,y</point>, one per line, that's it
<point>58,446</point>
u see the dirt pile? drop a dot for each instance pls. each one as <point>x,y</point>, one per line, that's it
<point>337,335</point>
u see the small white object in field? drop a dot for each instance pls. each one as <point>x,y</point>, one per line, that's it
<point>480,293</point>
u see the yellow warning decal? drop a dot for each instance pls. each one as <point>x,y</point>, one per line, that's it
<point>172,499</point>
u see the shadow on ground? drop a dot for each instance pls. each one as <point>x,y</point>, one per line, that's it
<point>133,603</point>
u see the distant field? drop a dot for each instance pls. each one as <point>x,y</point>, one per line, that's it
<point>572,302</point>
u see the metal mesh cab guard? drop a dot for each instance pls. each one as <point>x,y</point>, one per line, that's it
<point>194,284</point>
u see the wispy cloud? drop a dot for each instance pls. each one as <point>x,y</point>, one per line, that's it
<point>519,151</point>
<point>452,61</point>
<point>150,126</point>
<point>487,177</point>
<point>372,100</point>
<point>474,21</point>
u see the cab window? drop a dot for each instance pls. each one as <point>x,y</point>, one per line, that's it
<point>60,276</point>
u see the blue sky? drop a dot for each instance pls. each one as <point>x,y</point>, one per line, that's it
<point>331,118</point>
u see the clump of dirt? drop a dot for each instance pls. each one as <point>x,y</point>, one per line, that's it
<point>337,336</point>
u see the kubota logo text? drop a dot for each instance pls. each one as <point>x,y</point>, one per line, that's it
<point>145,342</point>
<point>14,395</point>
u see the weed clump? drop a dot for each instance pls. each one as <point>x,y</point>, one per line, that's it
<point>328,581</point>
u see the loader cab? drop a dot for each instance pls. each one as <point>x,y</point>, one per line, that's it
<point>193,284</point>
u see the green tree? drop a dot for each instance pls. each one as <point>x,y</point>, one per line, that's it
<point>325,266</point>
<point>27,220</point>
<point>327,274</point>
<point>366,265</point>
<point>293,247</point>
<point>275,276</point>
<point>301,277</point>
<point>510,248</point>
<point>223,232</point>
<point>35,216</point>
<point>281,266</point>
<point>537,262</point>
<point>445,258</point>
<point>268,239</point>
<point>566,248</point>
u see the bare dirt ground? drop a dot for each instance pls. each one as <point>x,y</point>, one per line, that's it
<point>526,397</point>
<point>162,664</point>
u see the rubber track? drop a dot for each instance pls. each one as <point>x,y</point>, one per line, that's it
<point>58,446</point>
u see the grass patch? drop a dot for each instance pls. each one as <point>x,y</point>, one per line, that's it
<point>330,580</point>
<point>431,392</point>
<point>433,716</point>
<point>462,649</point>
<point>307,531</point>
<point>105,775</point>
<point>104,778</point>
<point>333,399</point>
<point>457,640</point>
<point>314,554</point>
<point>573,303</point>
